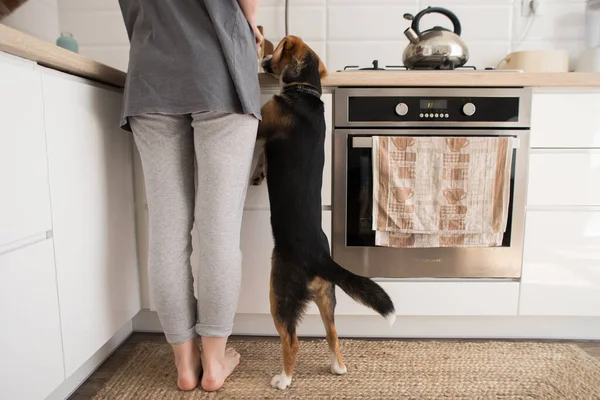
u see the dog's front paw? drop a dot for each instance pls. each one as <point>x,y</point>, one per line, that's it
<point>281,381</point>
<point>258,178</point>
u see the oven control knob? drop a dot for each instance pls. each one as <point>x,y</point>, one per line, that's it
<point>469,109</point>
<point>401,109</point>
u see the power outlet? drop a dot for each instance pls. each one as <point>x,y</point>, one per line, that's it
<point>529,7</point>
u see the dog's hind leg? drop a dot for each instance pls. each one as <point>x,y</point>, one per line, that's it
<point>324,295</point>
<point>289,345</point>
<point>287,305</point>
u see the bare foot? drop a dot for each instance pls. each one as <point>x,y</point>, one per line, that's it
<point>188,363</point>
<point>216,371</point>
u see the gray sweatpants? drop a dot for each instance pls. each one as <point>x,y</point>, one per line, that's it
<point>222,146</point>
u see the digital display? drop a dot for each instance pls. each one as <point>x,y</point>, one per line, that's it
<point>434,104</point>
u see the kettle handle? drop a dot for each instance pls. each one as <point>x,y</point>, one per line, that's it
<point>438,10</point>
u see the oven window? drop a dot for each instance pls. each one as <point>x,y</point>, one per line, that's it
<point>359,198</point>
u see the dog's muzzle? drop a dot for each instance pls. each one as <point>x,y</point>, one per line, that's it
<point>266,64</point>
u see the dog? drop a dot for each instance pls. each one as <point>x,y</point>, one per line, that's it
<point>302,269</point>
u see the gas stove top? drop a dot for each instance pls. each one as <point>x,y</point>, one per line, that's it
<point>375,67</point>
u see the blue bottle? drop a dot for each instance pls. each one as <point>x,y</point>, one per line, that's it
<point>66,41</point>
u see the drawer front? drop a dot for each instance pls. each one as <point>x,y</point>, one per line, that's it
<point>564,178</point>
<point>564,120</point>
<point>31,349</point>
<point>258,197</point>
<point>441,299</point>
<point>561,264</point>
<point>25,200</point>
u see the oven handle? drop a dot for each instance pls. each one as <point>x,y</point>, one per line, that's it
<point>366,142</point>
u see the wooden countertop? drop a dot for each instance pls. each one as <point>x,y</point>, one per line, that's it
<point>20,44</point>
<point>453,79</point>
<point>48,54</point>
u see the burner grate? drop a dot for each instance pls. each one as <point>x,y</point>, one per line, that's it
<point>375,67</point>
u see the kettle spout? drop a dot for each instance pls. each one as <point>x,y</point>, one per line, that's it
<point>411,35</point>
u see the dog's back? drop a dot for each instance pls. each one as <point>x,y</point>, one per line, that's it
<point>295,175</point>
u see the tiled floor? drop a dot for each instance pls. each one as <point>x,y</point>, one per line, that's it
<point>97,380</point>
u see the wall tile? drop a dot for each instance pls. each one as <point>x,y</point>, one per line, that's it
<point>369,3</point>
<point>354,32</point>
<point>308,22</point>
<point>487,54</point>
<point>362,53</point>
<point>291,3</point>
<point>482,22</point>
<point>563,21</point>
<point>95,27</point>
<point>88,4</point>
<point>368,22</point>
<point>273,21</point>
<point>38,18</point>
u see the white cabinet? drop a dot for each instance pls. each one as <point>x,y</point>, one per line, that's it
<point>564,177</point>
<point>561,257</point>
<point>31,359</point>
<point>91,185</point>
<point>565,119</point>
<point>257,246</point>
<point>561,266</point>
<point>441,298</point>
<point>25,200</point>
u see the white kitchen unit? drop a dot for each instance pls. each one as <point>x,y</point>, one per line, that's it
<point>31,348</point>
<point>25,200</point>
<point>559,293</point>
<point>68,264</point>
<point>91,181</point>
<point>561,265</point>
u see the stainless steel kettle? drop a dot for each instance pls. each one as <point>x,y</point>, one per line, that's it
<point>436,48</point>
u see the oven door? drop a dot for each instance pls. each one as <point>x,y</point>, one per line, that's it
<point>353,241</point>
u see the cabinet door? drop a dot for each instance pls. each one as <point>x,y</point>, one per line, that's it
<point>91,187</point>
<point>257,246</point>
<point>565,119</point>
<point>561,265</point>
<point>568,177</point>
<point>25,201</point>
<point>31,358</point>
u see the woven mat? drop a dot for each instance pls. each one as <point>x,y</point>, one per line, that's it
<point>377,370</point>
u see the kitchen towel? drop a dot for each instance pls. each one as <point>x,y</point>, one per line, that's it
<point>441,191</point>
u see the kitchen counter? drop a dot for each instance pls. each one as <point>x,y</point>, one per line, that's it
<point>457,78</point>
<point>20,44</point>
<point>48,54</point>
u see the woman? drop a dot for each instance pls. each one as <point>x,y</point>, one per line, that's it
<point>192,97</point>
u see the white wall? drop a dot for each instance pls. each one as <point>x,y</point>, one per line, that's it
<point>350,32</point>
<point>38,18</point>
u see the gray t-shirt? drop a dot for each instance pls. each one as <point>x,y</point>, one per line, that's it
<point>189,56</point>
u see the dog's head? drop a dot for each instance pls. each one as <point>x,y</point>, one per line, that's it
<point>294,61</point>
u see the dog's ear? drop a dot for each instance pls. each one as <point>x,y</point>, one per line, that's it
<point>278,53</point>
<point>322,70</point>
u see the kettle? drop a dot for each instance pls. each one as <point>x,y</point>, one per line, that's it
<point>436,48</point>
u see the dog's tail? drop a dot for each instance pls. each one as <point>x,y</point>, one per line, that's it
<point>359,288</point>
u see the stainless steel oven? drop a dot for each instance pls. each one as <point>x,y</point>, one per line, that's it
<point>360,114</point>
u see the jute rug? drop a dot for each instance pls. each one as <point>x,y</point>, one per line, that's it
<point>378,370</point>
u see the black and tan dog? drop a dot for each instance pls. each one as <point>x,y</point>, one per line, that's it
<point>293,130</point>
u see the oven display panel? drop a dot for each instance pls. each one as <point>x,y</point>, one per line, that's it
<point>433,104</point>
